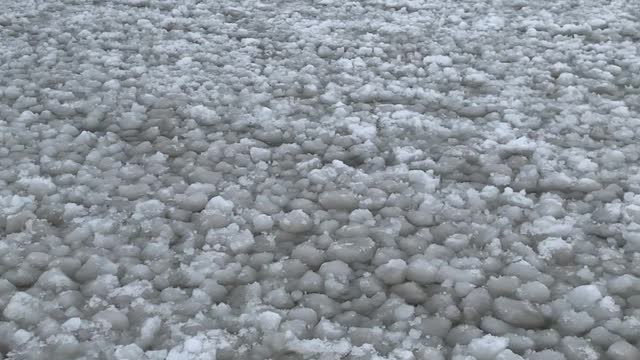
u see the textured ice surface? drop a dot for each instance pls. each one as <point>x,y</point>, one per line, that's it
<point>369,180</point>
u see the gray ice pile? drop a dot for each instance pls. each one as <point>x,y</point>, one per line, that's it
<point>327,179</point>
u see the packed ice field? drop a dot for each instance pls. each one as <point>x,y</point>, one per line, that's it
<point>367,180</point>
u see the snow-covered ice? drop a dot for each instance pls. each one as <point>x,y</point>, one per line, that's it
<point>369,180</point>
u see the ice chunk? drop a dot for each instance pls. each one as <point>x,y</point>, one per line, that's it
<point>436,326</point>
<point>203,115</point>
<point>520,146</point>
<point>326,329</point>
<point>38,186</point>
<point>260,154</point>
<point>131,120</point>
<point>279,298</point>
<point>269,321</point>
<point>193,345</point>
<point>308,254</point>
<point>575,348</point>
<point>463,334</point>
<point>422,271</point>
<point>336,268</point>
<point>129,352</point>
<point>310,282</point>
<point>450,273</point>
<point>518,313</point>
<point>338,199</point>
<point>24,308</point>
<point>407,154</point>
<point>352,250</point>
<point>220,204</point>
<point>478,300</point>
<point>584,296</point>
<point>457,242</point>
<point>194,202</point>
<point>393,272</point>
<point>518,199</point>
<point>534,291</point>
<point>262,223</point>
<point>296,221</point>
<point>508,355</point>
<point>503,285</point>
<point>149,330</point>
<point>17,222</point>
<point>410,291</point>
<point>622,350</point>
<point>429,353</point>
<point>311,347</point>
<point>149,209</point>
<point>424,181</point>
<point>487,347</point>
<point>21,337</point>
<point>241,242</point>
<point>55,280</point>
<point>546,355</point>
<point>575,323</point>
<point>623,285</point>
<point>441,60</point>
<point>363,130</point>
<point>548,225</point>
<point>321,304</point>
<point>113,317</point>
<point>554,247</point>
